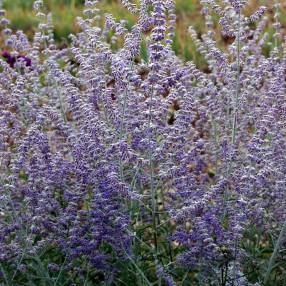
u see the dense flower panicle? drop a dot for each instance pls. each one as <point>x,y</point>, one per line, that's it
<point>91,137</point>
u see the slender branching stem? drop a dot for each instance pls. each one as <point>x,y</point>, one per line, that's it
<point>151,167</point>
<point>237,87</point>
<point>275,252</point>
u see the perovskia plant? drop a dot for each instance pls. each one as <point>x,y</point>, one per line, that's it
<point>124,169</point>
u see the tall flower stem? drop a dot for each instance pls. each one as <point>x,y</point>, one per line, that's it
<point>283,230</point>
<point>235,116</point>
<point>236,100</point>
<point>151,167</point>
<point>237,87</point>
<point>121,133</point>
<point>275,252</point>
<point>277,24</point>
<point>122,123</point>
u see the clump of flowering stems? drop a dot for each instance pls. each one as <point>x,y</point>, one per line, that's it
<point>133,167</point>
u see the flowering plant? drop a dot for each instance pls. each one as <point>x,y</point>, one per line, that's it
<point>125,167</point>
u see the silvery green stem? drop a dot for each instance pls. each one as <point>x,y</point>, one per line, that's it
<point>121,131</point>
<point>121,134</point>
<point>236,100</point>
<point>277,24</point>
<point>275,252</point>
<point>237,88</point>
<point>151,166</point>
